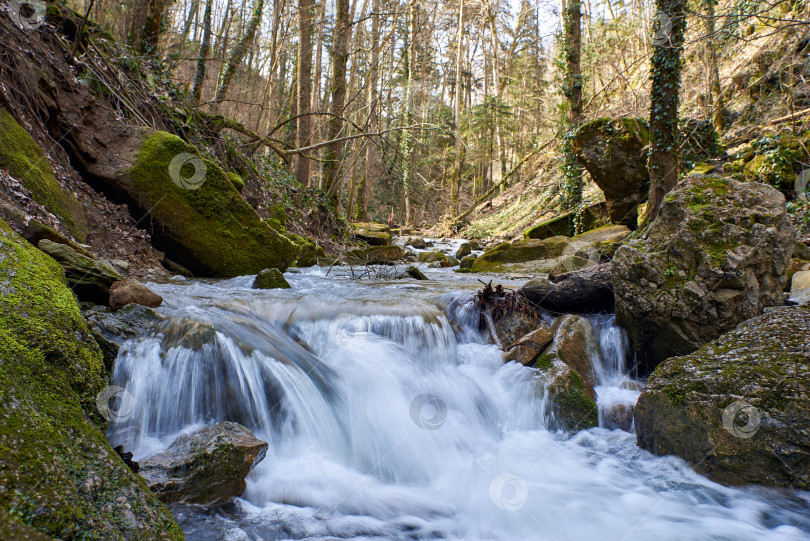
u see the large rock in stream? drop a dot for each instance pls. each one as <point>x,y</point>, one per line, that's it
<point>738,408</point>
<point>206,467</point>
<point>717,254</point>
<point>614,152</point>
<point>60,477</point>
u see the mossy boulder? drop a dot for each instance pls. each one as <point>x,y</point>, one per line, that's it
<point>570,406</point>
<point>278,218</point>
<point>308,251</point>
<point>467,262</point>
<point>572,336</point>
<point>413,272</point>
<point>206,467</point>
<point>738,408</point>
<point>433,257</point>
<point>464,250</point>
<point>270,279</point>
<point>374,255</point>
<point>774,160</point>
<point>25,160</point>
<point>614,152</point>
<point>505,256</point>
<point>59,475</point>
<point>196,215</point>
<point>717,254</point>
<point>593,216</point>
<point>89,278</point>
<point>373,238</point>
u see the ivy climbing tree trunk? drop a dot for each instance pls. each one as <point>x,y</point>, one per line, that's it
<point>340,56</point>
<point>572,170</point>
<point>239,51</point>
<point>665,73</point>
<point>205,52</point>
<point>304,94</point>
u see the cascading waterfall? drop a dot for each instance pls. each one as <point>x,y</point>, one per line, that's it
<point>390,417</point>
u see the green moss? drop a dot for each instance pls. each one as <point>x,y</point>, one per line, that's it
<point>236,180</point>
<point>210,229</point>
<point>25,160</point>
<point>270,279</point>
<point>544,361</point>
<point>59,475</point>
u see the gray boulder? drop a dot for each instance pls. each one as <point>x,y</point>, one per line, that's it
<point>206,467</point>
<point>738,408</point>
<point>716,255</point>
<point>614,153</point>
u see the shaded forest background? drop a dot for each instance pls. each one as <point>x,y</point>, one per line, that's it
<point>431,104</point>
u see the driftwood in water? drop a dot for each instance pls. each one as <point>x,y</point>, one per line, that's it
<point>585,291</point>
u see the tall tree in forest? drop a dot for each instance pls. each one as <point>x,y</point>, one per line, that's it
<point>665,73</point>
<point>572,88</point>
<point>710,51</point>
<point>147,21</point>
<point>360,212</point>
<point>333,156</point>
<point>455,181</point>
<point>205,52</point>
<point>304,93</point>
<point>407,106</point>
<point>239,51</point>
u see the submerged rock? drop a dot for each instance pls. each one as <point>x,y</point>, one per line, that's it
<point>131,291</point>
<point>738,408</point>
<point>89,278</point>
<point>614,152</point>
<point>415,273</point>
<point>59,475</point>
<point>206,467</point>
<point>416,242</point>
<point>716,255</point>
<point>270,279</point>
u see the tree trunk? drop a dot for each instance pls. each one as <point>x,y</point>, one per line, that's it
<point>205,52</point>
<point>360,212</point>
<point>304,74</point>
<point>239,51</point>
<point>665,72</point>
<point>715,92</point>
<point>572,171</point>
<point>340,56</point>
<point>455,182</point>
<point>407,150</point>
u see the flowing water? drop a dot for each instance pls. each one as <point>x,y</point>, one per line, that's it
<point>390,417</point>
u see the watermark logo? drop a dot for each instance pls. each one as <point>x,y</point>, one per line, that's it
<point>508,492</point>
<point>188,171</point>
<point>663,32</point>
<point>115,404</point>
<point>27,14</point>
<point>802,180</point>
<point>428,411</point>
<point>741,419</point>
